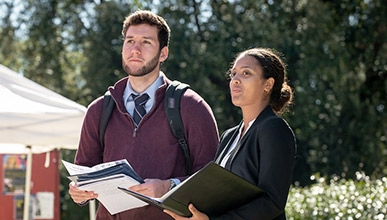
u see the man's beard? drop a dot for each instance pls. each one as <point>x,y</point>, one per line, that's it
<point>149,67</point>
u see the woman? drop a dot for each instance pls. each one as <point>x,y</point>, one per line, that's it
<point>262,148</point>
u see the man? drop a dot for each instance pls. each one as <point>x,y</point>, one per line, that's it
<point>148,144</point>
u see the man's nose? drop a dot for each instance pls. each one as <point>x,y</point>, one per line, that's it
<point>136,48</point>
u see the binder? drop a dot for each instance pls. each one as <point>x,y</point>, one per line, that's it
<point>213,190</point>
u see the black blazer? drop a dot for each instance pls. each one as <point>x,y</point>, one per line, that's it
<point>265,157</point>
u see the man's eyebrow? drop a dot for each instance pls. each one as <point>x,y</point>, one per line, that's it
<point>145,37</point>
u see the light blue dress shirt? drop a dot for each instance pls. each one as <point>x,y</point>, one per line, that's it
<point>151,91</point>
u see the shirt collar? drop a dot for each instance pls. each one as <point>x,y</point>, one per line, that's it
<point>241,127</point>
<point>151,91</point>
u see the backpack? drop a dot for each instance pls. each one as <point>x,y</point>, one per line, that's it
<point>172,110</point>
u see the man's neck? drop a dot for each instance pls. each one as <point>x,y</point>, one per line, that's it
<point>140,83</point>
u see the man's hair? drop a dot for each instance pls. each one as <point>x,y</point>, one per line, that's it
<point>150,18</point>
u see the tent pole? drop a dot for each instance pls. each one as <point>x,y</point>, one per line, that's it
<point>26,210</point>
<point>92,209</point>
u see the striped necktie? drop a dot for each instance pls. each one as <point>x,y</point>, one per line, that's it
<point>139,107</point>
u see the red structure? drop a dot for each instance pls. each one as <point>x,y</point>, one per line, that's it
<point>45,182</point>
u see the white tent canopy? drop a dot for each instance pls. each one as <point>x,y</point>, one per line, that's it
<point>34,119</point>
<point>33,115</point>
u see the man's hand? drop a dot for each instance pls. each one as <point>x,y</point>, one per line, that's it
<point>152,187</point>
<point>80,196</point>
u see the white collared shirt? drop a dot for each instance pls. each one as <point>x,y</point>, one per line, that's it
<point>234,144</point>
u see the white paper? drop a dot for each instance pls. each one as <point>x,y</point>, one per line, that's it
<point>74,169</point>
<point>111,197</point>
<point>44,205</point>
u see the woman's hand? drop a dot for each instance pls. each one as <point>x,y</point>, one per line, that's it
<point>196,214</point>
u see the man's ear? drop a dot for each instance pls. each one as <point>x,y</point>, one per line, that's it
<point>163,54</point>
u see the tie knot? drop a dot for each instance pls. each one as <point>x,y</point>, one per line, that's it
<point>140,99</point>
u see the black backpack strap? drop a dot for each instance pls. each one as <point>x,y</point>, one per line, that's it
<point>107,109</point>
<point>172,110</point>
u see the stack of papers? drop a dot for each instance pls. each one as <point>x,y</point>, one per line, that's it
<point>104,179</point>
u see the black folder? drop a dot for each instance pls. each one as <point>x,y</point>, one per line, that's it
<point>213,190</point>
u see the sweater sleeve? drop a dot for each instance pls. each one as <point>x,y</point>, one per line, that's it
<point>89,151</point>
<point>201,130</point>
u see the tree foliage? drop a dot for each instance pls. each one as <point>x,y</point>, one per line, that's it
<point>336,53</point>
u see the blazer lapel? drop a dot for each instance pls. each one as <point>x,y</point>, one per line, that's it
<point>264,115</point>
<point>228,145</point>
<point>237,147</point>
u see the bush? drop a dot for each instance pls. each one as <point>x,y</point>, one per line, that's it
<point>340,199</point>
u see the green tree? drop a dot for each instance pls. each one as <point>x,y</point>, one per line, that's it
<point>339,124</point>
<point>336,120</point>
<point>10,46</point>
<point>336,53</point>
